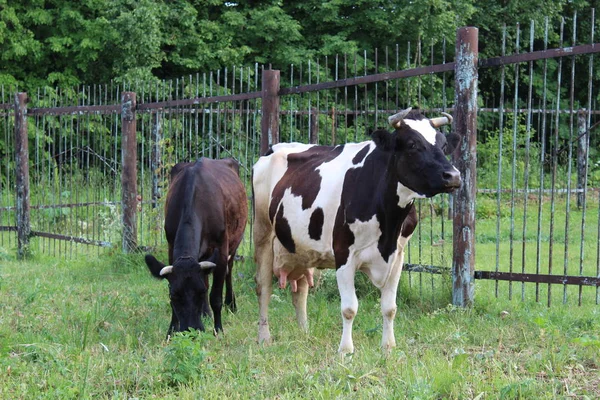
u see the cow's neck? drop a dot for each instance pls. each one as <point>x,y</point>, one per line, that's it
<point>187,240</point>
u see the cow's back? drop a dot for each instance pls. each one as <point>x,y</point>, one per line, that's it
<point>210,191</point>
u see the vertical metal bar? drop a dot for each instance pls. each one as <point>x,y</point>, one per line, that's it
<point>376,99</point>
<point>22,175</point>
<point>555,166</point>
<point>129,172</point>
<point>582,152</point>
<point>449,197</point>
<point>569,160</point>
<point>465,120</point>
<point>587,163</point>
<point>270,109</point>
<point>542,159</point>
<point>40,120</point>
<point>419,77</point>
<point>527,150</point>
<point>514,168</point>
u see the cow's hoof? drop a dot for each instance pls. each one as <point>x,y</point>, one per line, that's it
<point>346,351</point>
<point>264,339</point>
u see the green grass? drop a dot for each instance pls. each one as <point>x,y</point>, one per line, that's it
<point>95,328</point>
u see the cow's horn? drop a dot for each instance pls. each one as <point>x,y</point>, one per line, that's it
<point>166,270</point>
<point>441,121</point>
<point>396,120</point>
<point>206,264</point>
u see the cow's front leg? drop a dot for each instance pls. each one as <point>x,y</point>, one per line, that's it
<point>205,311</point>
<point>216,293</point>
<point>299,300</point>
<point>264,287</point>
<point>388,297</point>
<point>349,304</point>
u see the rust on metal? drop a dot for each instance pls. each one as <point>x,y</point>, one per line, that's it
<point>73,239</point>
<point>199,100</point>
<point>407,73</point>
<point>465,159</point>
<point>269,123</point>
<point>75,110</point>
<point>540,55</point>
<point>539,278</point>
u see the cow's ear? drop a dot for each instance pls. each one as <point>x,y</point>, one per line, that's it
<point>384,140</point>
<point>154,266</point>
<point>452,142</point>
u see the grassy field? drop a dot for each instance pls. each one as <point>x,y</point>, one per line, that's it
<point>96,329</point>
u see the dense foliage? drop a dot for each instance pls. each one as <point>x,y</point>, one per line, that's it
<point>59,42</point>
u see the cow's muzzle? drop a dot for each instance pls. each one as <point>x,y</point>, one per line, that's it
<point>451,180</point>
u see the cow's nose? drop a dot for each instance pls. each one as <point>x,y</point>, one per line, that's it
<point>452,178</point>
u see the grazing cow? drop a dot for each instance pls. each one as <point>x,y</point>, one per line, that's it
<point>205,216</point>
<point>349,207</point>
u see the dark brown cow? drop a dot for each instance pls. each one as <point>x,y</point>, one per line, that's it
<point>205,216</point>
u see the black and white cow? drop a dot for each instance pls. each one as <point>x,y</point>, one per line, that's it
<point>349,207</point>
<point>205,217</point>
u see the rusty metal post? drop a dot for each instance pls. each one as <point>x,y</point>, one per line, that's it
<point>269,123</point>
<point>582,155</point>
<point>129,172</point>
<point>314,127</point>
<point>465,124</point>
<point>22,178</point>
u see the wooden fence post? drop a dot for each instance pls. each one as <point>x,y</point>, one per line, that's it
<point>22,174</point>
<point>582,154</point>
<point>269,124</point>
<point>129,198</point>
<point>465,124</point>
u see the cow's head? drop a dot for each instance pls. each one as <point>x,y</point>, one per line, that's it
<point>187,289</point>
<point>419,152</point>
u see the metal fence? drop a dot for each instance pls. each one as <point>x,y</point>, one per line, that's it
<point>536,217</point>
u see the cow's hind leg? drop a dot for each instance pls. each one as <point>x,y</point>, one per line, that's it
<point>229,294</point>
<point>349,303</point>
<point>299,301</point>
<point>264,286</point>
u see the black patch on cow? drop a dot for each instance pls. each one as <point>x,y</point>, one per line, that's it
<point>360,155</point>
<point>343,238</point>
<point>302,176</point>
<point>315,226</point>
<point>284,232</point>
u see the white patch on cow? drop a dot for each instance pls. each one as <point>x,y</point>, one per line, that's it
<point>406,196</point>
<point>424,128</point>
<point>365,251</point>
